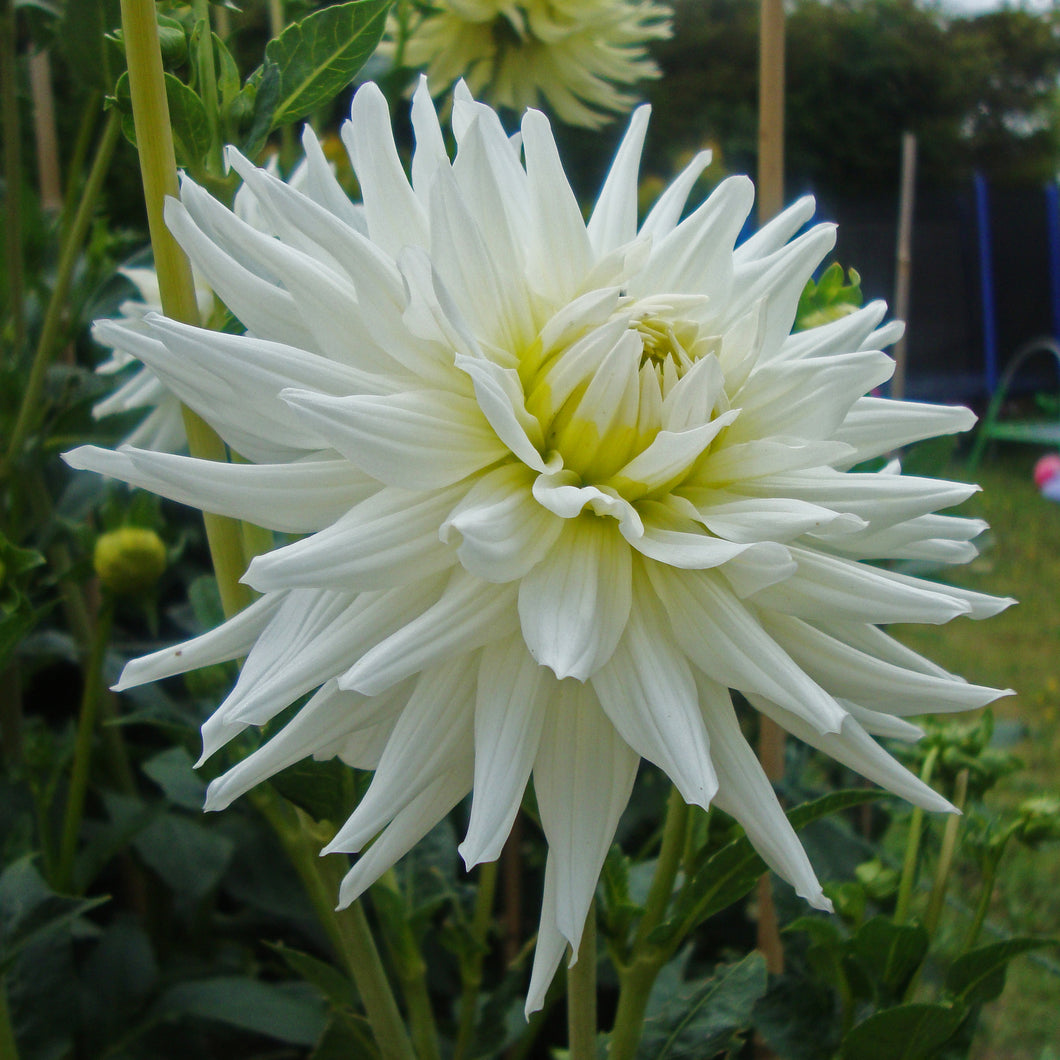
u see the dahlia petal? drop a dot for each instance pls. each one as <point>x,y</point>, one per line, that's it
<point>550,946</point>
<point>845,590</point>
<point>502,531</point>
<point>262,306</point>
<point>664,215</point>
<point>510,708</point>
<point>432,738</point>
<point>500,398</point>
<point>880,724</point>
<point>559,253</point>
<point>854,748</point>
<point>745,794</point>
<point>228,641</point>
<point>668,457</point>
<point>393,213</point>
<point>583,777</point>
<point>648,692</point>
<point>329,716</point>
<point>874,426</point>
<point>678,542</point>
<point>389,539</point>
<point>837,336</point>
<point>614,218</point>
<point>322,187</point>
<point>692,401</point>
<point>748,519</point>
<point>575,603</point>
<point>430,154</point>
<point>410,824</point>
<point>469,614</point>
<point>421,439</point>
<point>776,232</point>
<point>556,491</point>
<point>871,682</point>
<point>728,643</point>
<point>765,456</point>
<point>295,498</point>
<point>757,568</point>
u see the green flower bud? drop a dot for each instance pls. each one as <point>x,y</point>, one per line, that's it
<point>130,560</point>
<point>1039,819</point>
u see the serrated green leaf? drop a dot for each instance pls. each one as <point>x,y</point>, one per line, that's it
<point>287,1012</point>
<point>319,56</point>
<point>906,1032</point>
<point>979,975</point>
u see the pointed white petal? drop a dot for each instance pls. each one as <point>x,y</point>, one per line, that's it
<point>421,439</point>
<point>878,425</point>
<point>548,951</point>
<point>664,215</point>
<point>470,613</point>
<point>574,604</point>
<point>513,696</point>
<point>648,691</point>
<point>614,219</point>
<point>583,777</point>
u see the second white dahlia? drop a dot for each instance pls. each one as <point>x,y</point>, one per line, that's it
<point>563,486</point>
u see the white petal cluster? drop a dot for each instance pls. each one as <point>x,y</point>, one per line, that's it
<point>563,486</point>
<point>579,56</point>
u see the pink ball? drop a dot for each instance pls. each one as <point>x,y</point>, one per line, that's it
<point>1046,468</point>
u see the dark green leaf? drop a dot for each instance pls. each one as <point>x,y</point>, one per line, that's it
<point>979,975</point>
<point>174,772</point>
<point>696,1020</point>
<point>319,56</point>
<point>187,115</point>
<point>906,1032</point>
<point>289,1013</point>
<point>344,1039</point>
<point>30,910</point>
<point>323,789</point>
<point>891,952</point>
<point>731,873</point>
<point>82,36</point>
<point>335,986</point>
<point>186,854</point>
<point>797,1019</point>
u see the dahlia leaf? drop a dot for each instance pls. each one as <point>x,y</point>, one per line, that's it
<point>978,976</point>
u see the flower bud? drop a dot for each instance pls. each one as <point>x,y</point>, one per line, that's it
<point>130,560</point>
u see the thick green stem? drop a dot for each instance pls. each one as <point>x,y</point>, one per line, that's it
<point>581,994</point>
<point>471,969</point>
<point>347,929</point>
<point>91,697</point>
<point>12,139</point>
<point>949,845</point>
<point>206,73</point>
<point>158,168</point>
<point>635,983</point>
<point>670,854</point>
<point>986,893</point>
<point>912,847</point>
<point>29,412</point>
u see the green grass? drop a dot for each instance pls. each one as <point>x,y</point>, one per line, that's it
<point>1018,649</point>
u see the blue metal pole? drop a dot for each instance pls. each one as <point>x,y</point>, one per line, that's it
<point>986,282</point>
<point>1052,228</point>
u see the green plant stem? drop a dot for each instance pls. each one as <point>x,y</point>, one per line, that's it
<point>471,968</point>
<point>986,892</point>
<point>86,727</point>
<point>347,929</point>
<point>945,864</point>
<point>76,162</point>
<point>12,139</point>
<point>662,884</point>
<point>8,1045</point>
<point>158,169</point>
<point>581,994</point>
<point>912,847</point>
<point>637,976</point>
<point>29,412</point>
<point>206,73</point>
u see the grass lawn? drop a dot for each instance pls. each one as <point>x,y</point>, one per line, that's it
<point>1018,649</point>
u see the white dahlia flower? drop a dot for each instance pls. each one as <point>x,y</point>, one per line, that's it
<point>562,487</point>
<point>578,56</point>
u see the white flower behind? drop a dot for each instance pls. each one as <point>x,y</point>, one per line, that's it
<point>564,485</point>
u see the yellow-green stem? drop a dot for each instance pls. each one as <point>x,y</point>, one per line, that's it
<point>158,169</point>
<point>86,728</point>
<point>206,72</point>
<point>581,995</point>
<point>912,847</point>
<point>635,983</point>
<point>949,845</point>
<point>347,929</point>
<point>662,884</point>
<point>471,969</point>
<point>30,410</point>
